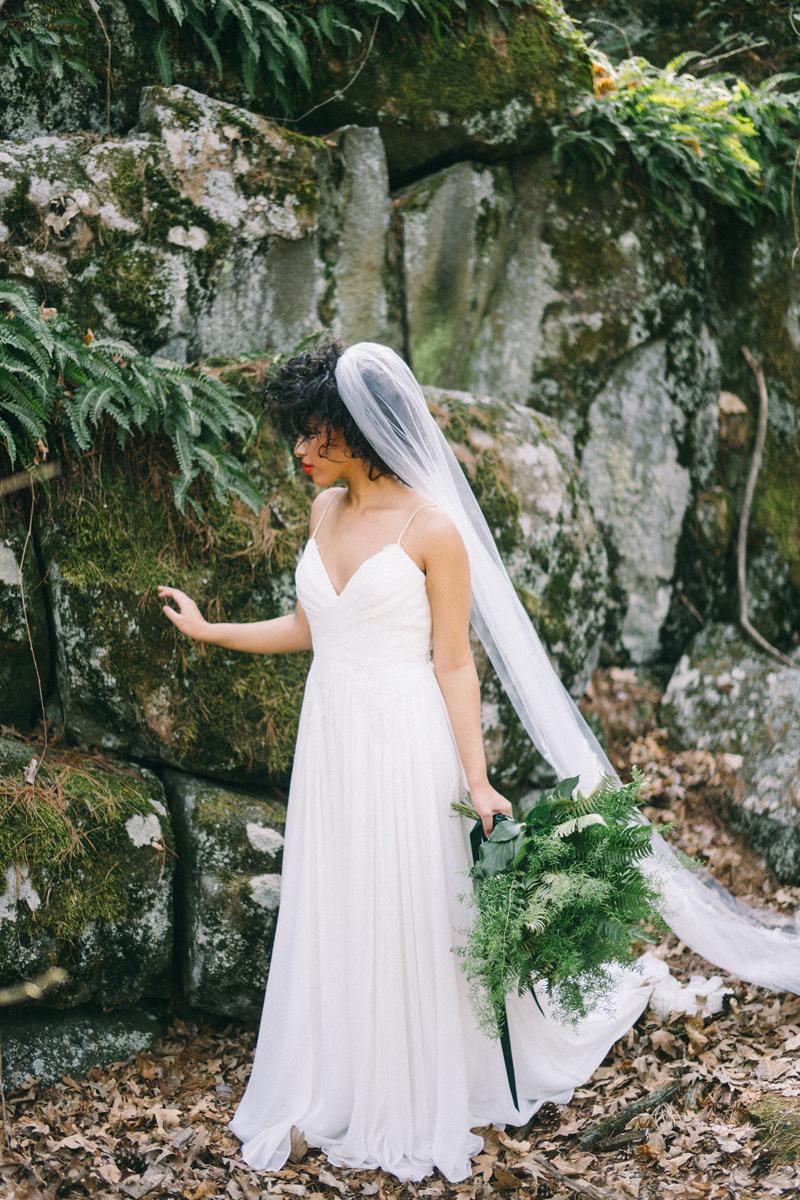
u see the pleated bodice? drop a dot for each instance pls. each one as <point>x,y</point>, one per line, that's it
<point>381,620</point>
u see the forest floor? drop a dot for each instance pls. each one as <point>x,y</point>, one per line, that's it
<point>156,1124</point>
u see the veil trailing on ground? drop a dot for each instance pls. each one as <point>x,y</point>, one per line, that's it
<point>387,404</point>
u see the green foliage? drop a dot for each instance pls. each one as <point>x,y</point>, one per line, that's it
<point>55,383</point>
<point>275,40</point>
<point>683,139</point>
<point>69,832</point>
<point>38,41</point>
<point>560,896</point>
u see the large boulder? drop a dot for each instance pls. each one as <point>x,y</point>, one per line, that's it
<point>24,639</point>
<point>524,474</point>
<point>727,696</point>
<point>585,308</point>
<point>638,489</point>
<point>231,853</point>
<point>86,869</point>
<point>45,1045</point>
<point>126,680</point>
<point>483,92</point>
<point>183,236</point>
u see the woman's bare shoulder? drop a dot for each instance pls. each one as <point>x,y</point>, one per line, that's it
<point>319,506</point>
<point>437,533</point>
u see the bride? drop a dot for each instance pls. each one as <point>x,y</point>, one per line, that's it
<point>368,1043</point>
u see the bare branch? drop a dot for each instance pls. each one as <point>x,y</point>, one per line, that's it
<point>758,451</point>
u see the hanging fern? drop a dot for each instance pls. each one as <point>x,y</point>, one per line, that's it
<point>273,39</point>
<point>56,383</point>
<point>683,139</point>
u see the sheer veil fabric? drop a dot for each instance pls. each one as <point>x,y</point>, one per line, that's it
<point>386,402</point>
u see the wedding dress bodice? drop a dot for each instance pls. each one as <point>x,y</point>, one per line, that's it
<point>380,620</point>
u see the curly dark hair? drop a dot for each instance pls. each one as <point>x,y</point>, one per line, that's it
<point>302,399</point>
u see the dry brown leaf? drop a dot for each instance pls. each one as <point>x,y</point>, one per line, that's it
<point>299,1145</point>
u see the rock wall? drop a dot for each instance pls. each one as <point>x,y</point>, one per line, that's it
<point>209,231</point>
<point>574,347</point>
<point>728,697</point>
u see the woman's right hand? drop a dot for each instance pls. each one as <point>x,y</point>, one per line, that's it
<point>188,619</point>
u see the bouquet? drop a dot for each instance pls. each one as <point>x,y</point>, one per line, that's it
<point>559,897</point>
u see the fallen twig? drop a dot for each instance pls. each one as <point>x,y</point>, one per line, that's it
<point>634,1138</point>
<point>565,1181</point>
<point>758,451</point>
<point>599,1133</point>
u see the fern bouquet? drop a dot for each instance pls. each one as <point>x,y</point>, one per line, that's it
<point>559,896</point>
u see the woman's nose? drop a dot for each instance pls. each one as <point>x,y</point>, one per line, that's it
<point>299,447</point>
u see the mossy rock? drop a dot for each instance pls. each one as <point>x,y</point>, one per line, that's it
<point>481,95</point>
<point>86,866</point>
<point>46,1045</point>
<point>20,654</point>
<point>146,238</point>
<point>127,680</point>
<point>209,232</point>
<point>727,696</point>
<point>524,475</point>
<point>231,854</point>
<point>481,88</point>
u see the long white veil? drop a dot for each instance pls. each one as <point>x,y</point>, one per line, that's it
<point>387,404</point>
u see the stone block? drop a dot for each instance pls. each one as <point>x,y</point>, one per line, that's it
<point>86,869</point>
<point>729,697</point>
<point>231,853</point>
<point>44,1044</point>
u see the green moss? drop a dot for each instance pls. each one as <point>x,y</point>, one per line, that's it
<point>483,466</point>
<point>459,74</point>
<point>69,833</point>
<point>128,282</point>
<point>115,539</point>
<point>779,1121</point>
<point>777,507</point>
<point>127,181</point>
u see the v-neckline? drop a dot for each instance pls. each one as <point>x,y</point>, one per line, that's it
<point>377,553</point>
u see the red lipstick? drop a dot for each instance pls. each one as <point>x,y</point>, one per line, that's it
<point>307,470</point>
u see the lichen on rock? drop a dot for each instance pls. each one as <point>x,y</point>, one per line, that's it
<point>525,478</point>
<point>181,237</point>
<point>729,697</point>
<point>83,888</point>
<point>231,854</point>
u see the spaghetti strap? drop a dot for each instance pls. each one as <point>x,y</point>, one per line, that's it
<point>410,519</point>
<point>324,515</point>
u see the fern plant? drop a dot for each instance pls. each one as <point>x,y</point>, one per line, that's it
<point>273,38</point>
<point>55,382</point>
<point>559,897</point>
<point>683,139</point>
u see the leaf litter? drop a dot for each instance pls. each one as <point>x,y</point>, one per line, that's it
<point>155,1124</point>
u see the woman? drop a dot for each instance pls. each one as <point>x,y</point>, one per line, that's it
<point>367,1042</point>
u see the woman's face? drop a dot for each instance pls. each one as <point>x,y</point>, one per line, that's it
<point>323,454</point>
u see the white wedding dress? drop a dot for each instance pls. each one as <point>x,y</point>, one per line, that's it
<point>368,1043</point>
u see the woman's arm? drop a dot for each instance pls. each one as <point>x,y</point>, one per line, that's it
<point>278,636</point>
<point>448,583</point>
<point>281,635</point>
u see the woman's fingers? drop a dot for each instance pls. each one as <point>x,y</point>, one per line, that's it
<point>187,619</point>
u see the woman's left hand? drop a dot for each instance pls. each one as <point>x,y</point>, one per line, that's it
<point>487,801</point>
